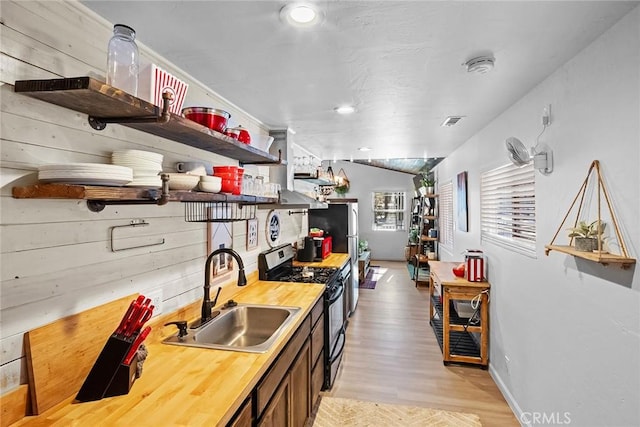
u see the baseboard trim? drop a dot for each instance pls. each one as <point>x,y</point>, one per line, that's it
<point>511,401</point>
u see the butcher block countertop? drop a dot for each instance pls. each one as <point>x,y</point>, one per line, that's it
<point>185,386</point>
<point>335,260</point>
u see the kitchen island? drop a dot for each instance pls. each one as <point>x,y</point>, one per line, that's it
<point>191,386</point>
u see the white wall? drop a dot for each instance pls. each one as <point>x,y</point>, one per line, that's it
<point>565,332</point>
<point>56,258</point>
<point>364,180</point>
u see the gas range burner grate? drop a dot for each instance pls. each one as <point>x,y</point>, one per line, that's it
<point>320,275</point>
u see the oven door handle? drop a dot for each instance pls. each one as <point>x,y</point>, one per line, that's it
<point>335,356</point>
<point>337,295</point>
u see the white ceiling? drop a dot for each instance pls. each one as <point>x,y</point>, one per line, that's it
<point>398,62</point>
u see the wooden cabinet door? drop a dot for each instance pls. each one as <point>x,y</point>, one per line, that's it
<point>278,411</point>
<point>243,416</point>
<point>317,380</point>
<point>301,387</point>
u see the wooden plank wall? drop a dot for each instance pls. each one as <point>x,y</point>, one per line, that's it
<point>55,254</point>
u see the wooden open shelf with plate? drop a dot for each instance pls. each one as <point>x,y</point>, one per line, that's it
<point>98,197</point>
<point>600,256</point>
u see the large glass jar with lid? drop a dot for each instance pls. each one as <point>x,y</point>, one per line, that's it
<point>123,60</point>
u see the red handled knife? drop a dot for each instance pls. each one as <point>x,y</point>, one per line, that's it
<point>128,314</point>
<point>136,344</point>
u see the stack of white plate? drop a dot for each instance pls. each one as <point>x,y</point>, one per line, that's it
<point>86,174</point>
<point>145,164</point>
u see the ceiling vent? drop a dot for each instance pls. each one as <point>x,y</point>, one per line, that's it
<point>451,120</point>
<point>480,65</point>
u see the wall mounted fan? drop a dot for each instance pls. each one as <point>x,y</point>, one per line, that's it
<point>541,155</point>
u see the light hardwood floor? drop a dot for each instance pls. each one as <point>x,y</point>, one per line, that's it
<point>392,356</point>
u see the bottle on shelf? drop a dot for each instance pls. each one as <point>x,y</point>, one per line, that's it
<point>123,60</point>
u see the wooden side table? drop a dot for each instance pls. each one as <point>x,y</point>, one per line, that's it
<point>364,264</point>
<point>454,333</point>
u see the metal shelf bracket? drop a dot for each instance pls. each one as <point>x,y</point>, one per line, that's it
<point>155,197</point>
<point>100,123</point>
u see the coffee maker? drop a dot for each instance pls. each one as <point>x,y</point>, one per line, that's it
<point>308,252</point>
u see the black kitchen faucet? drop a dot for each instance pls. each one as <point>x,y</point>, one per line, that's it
<point>206,302</point>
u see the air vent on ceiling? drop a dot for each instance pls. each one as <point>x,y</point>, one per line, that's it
<point>451,120</point>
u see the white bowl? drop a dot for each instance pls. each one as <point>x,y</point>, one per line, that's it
<point>210,187</point>
<point>261,142</point>
<point>181,181</point>
<point>210,178</point>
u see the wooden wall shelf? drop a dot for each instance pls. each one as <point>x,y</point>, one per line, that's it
<point>603,258</point>
<point>316,181</point>
<point>600,257</point>
<point>101,101</point>
<point>133,194</point>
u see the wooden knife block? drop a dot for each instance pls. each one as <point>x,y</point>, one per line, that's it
<point>109,376</point>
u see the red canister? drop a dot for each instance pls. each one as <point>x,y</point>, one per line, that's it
<point>474,260</point>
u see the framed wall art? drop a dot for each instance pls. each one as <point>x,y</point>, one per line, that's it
<point>463,224</point>
<point>273,228</point>
<point>220,235</point>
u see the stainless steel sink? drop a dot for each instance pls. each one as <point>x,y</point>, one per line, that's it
<point>246,327</point>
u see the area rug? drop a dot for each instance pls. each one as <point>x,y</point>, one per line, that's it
<point>375,273</point>
<point>424,272</point>
<point>334,412</point>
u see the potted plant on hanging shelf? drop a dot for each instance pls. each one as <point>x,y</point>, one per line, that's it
<point>341,189</point>
<point>587,235</point>
<point>341,183</point>
<point>429,183</point>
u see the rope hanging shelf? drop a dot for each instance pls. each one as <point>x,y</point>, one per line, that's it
<point>599,255</point>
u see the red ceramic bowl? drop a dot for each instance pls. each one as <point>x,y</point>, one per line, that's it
<point>228,186</point>
<point>227,176</point>
<point>225,169</point>
<point>231,187</point>
<point>243,135</point>
<point>209,117</point>
<point>232,133</point>
<point>458,272</point>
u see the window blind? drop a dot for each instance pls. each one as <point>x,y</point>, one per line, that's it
<point>507,208</point>
<point>445,214</point>
<point>388,210</point>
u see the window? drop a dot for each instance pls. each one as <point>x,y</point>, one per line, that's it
<point>507,208</point>
<point>388,211</point>
<point>445,214</point>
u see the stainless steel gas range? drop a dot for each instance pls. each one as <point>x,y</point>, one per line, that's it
<point>276,264</point>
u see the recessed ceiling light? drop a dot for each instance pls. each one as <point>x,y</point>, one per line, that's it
<point>301,14</point>
<point>364,149</point>
<point>345,109</point>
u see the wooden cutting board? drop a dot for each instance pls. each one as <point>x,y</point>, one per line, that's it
<point>61,354</point>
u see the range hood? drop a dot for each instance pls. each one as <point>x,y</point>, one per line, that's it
<point>283,175</point>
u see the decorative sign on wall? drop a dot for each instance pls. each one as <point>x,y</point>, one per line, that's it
<point>220,235</point>
<point>252,233</point>
<point>462,202</point>
<point>273,228</point>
